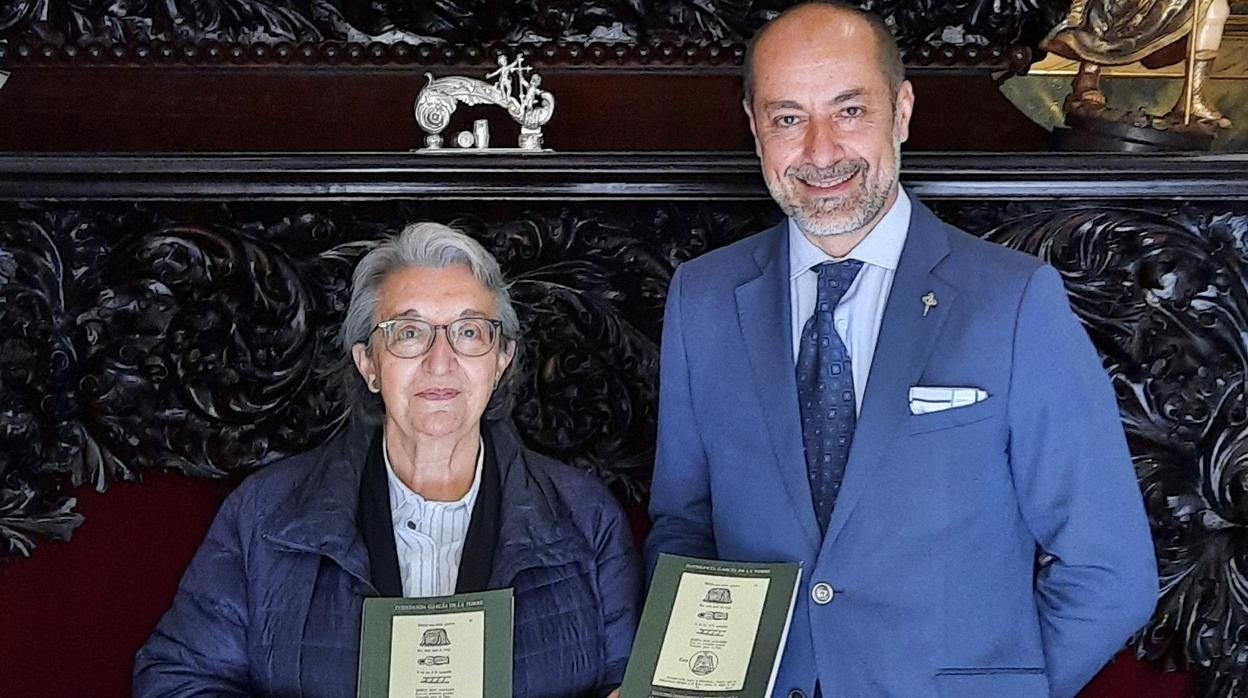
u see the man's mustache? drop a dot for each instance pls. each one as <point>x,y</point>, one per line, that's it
<point>817,175</point>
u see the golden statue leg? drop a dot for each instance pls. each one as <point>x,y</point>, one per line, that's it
<point>1200,108</point>
<point>1208,39</point>
<point>1086,86</point>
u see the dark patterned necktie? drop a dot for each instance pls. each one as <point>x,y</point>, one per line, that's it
<point>825,390</point>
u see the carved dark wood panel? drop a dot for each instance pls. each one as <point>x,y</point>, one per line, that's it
<point>201,337</point>
<point>967,32</point>
<point>1161,289</point>
<point>179,313</point>
<point>306,75</point>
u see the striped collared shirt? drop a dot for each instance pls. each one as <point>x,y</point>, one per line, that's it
<point>429,536</point>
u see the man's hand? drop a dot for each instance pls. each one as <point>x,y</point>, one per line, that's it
<point>614,694</point>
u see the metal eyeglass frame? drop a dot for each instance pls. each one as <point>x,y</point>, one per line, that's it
<point>385,326</point>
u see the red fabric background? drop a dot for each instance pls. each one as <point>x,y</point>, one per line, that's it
<point>72,616</point>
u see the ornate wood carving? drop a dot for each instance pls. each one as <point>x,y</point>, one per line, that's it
<point>179,313</point>
<point>675,32</point>
<point>1161,289</point>
<point>202,337</point>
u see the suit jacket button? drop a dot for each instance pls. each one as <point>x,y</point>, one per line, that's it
<point>822,593</point>
<point>797,693</point>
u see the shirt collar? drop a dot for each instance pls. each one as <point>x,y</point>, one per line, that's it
<point>881,247</point>
<point>402,496</point>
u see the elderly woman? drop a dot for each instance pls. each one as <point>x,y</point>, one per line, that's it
<point>418,497</point>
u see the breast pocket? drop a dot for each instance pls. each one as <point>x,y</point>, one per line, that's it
<point>954,416</point>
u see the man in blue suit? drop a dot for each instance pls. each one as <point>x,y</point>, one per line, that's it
<point>912,413</point>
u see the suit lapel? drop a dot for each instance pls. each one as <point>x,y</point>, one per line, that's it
<point>905,342</point>
<point>763,311</point>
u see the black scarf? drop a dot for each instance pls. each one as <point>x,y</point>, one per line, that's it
<point>377,527</point>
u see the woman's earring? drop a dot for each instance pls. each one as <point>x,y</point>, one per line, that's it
<point>372,385</point>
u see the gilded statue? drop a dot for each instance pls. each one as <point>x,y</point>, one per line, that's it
<point>1101,33</point>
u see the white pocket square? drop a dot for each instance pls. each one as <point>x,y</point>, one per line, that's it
<point>925,399</point>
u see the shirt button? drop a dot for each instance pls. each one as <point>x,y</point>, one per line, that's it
<point>841,324</point>
<point>796,693</point>
<point>822,593</point>
<point>411,525</point>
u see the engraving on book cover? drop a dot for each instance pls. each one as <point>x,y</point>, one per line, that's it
<point>710,634</point>
<point>438,656</point>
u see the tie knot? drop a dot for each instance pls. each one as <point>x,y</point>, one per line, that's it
<point>835,278</point>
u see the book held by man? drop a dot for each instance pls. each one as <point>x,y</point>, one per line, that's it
<point>443,647</point>
<point>711,627</point>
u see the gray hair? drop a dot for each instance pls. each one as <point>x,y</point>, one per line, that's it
<point>885,43</point>
<point>422,245</point>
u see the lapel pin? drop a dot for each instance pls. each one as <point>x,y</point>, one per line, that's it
<point>929,302</point>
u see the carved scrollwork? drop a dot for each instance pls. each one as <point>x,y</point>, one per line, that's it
<point>590,286</point>
<point>1162,294</point>
<point>135,342</point>
<point>974,22</point>
<point>41,447</point>
<point>434,108</point>
<point>971,31</point>
<point>202,339</point>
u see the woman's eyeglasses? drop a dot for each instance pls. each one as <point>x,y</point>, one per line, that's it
<point>408,338</point>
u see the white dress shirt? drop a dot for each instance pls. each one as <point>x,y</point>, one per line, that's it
<point>429,536</point>
<point>861,310</point>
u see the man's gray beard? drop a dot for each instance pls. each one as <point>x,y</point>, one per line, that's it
<point>872,204</point>
<point>817,226</point>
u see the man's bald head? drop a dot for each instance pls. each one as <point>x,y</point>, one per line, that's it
<point>833,11</point>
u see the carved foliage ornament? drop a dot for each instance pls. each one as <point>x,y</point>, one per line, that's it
<point>1162,293</point>
<point>202,339</point>
<point>66,23</point>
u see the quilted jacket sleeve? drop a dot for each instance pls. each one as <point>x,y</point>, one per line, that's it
<point>619,580</point>
<point>199,648</point>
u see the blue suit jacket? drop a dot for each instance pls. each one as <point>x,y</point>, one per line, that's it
<point>932,548</point>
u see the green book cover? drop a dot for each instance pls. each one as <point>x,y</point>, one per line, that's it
<point>711,628</point>
<point>443,647</point>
